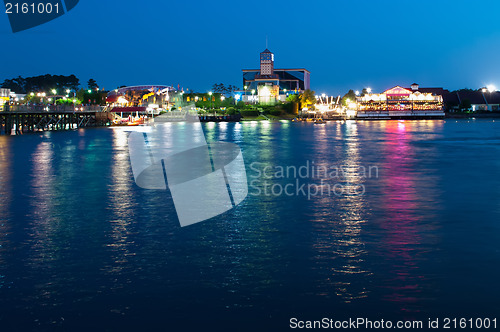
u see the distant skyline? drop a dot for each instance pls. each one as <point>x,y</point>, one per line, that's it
<point>345,45</point>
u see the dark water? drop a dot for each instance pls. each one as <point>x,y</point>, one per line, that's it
<point>83,248</point>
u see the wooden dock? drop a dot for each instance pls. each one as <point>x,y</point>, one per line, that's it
<point>21,122</point>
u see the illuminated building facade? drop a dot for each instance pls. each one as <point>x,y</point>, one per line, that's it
<point>144,95</point>
<point>268,85</point>
<point>4,97</point>
<point>399,99</point>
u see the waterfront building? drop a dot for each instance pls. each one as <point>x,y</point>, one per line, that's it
<point>17,97</point>
<point>399,103</point>
<point>158,96</point>
<point>269,85</point>
<point>481,100</point>
<point>4,97</point>
<point>402,99</point>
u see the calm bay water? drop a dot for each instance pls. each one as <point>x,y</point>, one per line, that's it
<point>82,247</point>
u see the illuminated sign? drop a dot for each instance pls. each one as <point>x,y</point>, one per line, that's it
<point>398,91</point>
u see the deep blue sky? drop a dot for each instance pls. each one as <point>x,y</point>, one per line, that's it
<point>345,44</point>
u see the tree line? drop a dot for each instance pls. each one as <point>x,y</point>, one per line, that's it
<point>222,89</point>
<point>41,83</point>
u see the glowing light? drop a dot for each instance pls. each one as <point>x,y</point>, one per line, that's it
<point>237,97</point>
<point>264,92</point>
<point>369,90</point>
<point>54,91</point>
<point>351,113</point>
<point>491,88</point>
<point>357,93</point>
<point>122,100</point>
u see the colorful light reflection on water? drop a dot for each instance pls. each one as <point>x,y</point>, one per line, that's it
<point>80,244</point>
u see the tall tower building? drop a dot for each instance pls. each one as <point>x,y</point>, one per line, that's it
<point>266,63</point>
<point>269,84</point>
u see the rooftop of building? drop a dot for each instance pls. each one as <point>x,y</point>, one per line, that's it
<point>478,97</point>
<point>277,69</point>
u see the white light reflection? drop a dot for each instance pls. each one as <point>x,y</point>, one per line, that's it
<point>121,203</point>
<point>339,220</point>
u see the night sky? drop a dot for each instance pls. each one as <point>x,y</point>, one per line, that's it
<point>345,44</point>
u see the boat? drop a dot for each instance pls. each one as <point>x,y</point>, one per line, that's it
<point>136,121</point>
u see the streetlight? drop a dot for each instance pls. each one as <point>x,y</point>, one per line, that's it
<point>369,90</point>
<point>211,104</point>
<point>54,92</point>
<point>253,98</point>
<point>491,88</point>
<point>245,88</point>
<point>357,92</point>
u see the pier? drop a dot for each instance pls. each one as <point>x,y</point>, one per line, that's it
<point>25,121</point>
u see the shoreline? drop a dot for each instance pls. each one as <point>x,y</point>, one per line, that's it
<point>471,116</point>
<point>447,116</point>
